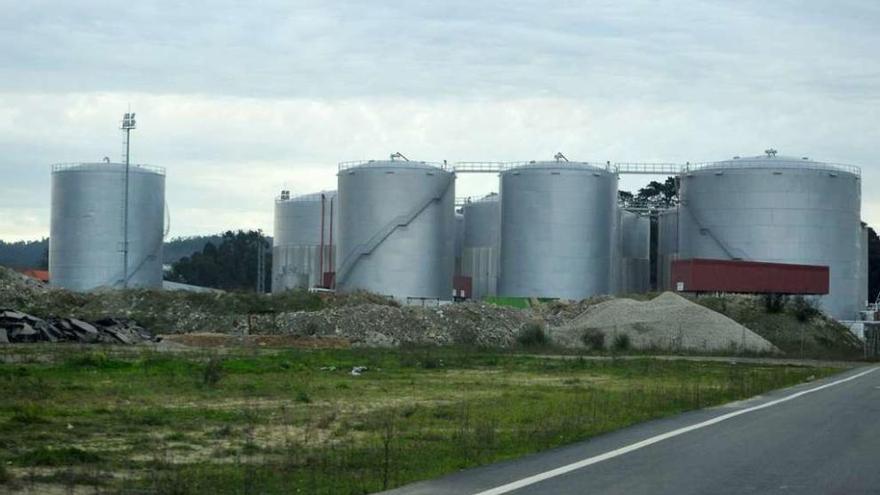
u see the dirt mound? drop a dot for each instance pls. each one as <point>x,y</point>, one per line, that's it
<point>667,322</point>
<point>379,325</point>
<point>558,313</point>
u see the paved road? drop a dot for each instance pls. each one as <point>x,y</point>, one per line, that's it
<point>817,438</point>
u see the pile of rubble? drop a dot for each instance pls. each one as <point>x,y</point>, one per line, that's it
<point>378,325</point>
<point>17,327</point>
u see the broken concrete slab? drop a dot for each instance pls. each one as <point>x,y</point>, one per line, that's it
<point>19,327</point>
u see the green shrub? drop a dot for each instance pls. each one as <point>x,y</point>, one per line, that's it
<point>531,335</point>
<point>774,303</point>
<point>28,414</point>
<point>715,303</point>
<point>593,339</point>
<point>621,342</point>
<point>213,372</point>
<point>98,360</point>
<point>303,396</point>
<point>311,328</point>
<point>67,456</point>
<point>804,309</point>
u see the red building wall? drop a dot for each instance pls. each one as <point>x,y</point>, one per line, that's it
<point>751,277</point>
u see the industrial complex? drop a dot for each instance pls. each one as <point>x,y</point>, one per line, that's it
<point>554,229</point>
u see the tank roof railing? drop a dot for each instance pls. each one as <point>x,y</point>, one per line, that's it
<point>648,168</point>
<point>470,200</point>
<point>498,167</point>
<point>480,167</point>
<point>382,163</point>
<point>644,205</point>
<point>768,163</point>
<point>59,167</point>
<point>308,197</point>
<point>618,167</point>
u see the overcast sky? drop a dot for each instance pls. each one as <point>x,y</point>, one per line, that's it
<point>240,99</point>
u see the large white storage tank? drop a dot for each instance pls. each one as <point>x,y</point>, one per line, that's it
<point>634,253</point>
<point>396,229</point>
<point>778,209</point>
<point>87,232</point>
<point>482,239</point>
<point>558,221</point>
<point>303,224</point>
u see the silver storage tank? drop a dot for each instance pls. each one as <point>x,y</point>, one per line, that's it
<point>87,226</point>
<point>558,220</point>
<point>634,234</point>
<point>396,229</point>
<point>667,247</point>
<point>778,209</point>
<point>299,234</point>
<point>482,237</point>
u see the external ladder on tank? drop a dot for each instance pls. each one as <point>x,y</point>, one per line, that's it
<point>379,237</point>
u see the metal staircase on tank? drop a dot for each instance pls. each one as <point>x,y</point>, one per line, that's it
<point>683,204</point>
<point>385,232</point>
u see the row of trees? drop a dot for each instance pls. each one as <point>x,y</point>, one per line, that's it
<point>655,195</point>
<point>229,265</point>
<point>25,254</point>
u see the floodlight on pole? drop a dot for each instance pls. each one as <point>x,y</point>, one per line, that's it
<point>128,123</point>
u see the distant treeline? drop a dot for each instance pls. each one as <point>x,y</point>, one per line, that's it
<point>35,254</point>
<point>228,264</point>
<point>873,265</point>
<point>180,247</point>
<point>25,254</point>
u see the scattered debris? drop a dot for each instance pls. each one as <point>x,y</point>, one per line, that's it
<point>358,370</point>
<point>18,327</point>
<point>378,325</point>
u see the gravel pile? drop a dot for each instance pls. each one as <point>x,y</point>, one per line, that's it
<point>379,325</point>
<point>558,313</point>
<point>667,322</point>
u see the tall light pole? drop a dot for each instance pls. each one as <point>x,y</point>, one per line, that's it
<point>128,123</point>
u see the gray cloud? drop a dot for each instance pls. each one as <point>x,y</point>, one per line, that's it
<point>238,99</point>
<point>649,50</point>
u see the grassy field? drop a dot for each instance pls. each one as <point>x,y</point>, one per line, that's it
<point>297,421</point>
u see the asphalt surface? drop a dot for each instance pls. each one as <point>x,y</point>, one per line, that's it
<point>825,441</point>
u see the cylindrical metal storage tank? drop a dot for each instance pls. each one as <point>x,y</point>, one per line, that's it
<point>302,225</point>
<point>88,223</point>
<point>558,220</point>
<point>667,247</point>
<point>634,273</point>
<point>396,229</point>
<point>778,209</point>
<point>482,237</point>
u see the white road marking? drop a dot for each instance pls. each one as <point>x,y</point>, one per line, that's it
<point>531,480</point>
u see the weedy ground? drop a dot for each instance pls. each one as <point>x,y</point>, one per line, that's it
<point>297,421</point>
